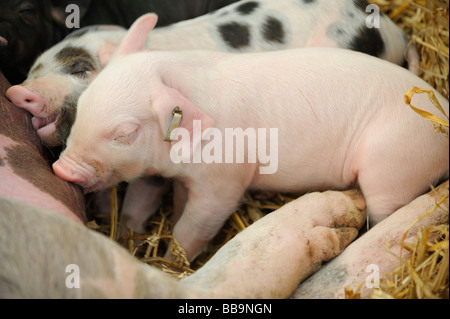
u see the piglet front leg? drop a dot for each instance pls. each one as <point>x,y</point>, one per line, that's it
<point>142,199</point>
<point>206,210</point>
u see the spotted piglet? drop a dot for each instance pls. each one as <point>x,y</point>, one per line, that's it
<point>60,75</point>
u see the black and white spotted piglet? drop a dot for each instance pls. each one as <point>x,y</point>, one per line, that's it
<point>262,25</point>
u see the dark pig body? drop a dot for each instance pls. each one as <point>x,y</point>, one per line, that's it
<point>26,30</point>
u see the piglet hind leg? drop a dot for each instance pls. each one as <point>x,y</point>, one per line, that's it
<point>397,188</point>
<point>269,259</point>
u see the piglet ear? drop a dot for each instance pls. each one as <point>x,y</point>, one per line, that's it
<point>170,99</point>
<point>135,39</point>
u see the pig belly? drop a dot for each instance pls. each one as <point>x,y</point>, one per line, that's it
<point>14,187</point>
<point>300,181</point>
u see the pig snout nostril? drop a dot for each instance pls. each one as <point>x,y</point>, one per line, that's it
<point>26,99</point>
<point>3,42</point>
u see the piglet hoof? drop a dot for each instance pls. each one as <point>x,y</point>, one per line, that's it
<point>272,256</point>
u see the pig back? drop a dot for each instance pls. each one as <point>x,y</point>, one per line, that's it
<point>25,172</point>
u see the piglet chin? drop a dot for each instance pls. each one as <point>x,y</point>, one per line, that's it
<point>101,184</point>
<point>45,127</point>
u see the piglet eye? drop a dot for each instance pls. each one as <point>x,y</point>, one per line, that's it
<point>80,69</point>
<point>126,133</point>
<point>81,74</point>
<point>125,138</point>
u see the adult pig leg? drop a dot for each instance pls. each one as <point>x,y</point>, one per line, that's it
<point>378,247</point>
<point>268,259</point>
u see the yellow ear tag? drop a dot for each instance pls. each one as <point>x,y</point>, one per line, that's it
<point>177,114</point>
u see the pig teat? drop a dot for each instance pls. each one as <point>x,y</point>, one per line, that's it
<point>3,42</point>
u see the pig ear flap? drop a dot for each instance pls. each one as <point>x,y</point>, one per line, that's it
<point>134,40</point>
<point>175,112</point>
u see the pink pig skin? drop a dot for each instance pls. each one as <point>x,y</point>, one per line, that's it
<point>340,115</point>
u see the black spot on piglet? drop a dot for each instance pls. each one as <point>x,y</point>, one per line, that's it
<point>235,35</point>
<point>247,7</point>
<point>307,3</point>
<point>273,30</point>
<point>75,60</point>
<point>368,41</point>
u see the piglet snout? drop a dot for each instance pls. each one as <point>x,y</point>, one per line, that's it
<point>3,42</point>
<point>64,169</point>
<point>26,99</point>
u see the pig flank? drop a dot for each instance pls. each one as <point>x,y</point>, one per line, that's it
<point>326,141</point>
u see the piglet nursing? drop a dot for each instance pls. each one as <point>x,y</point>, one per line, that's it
<point>315,119</point>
